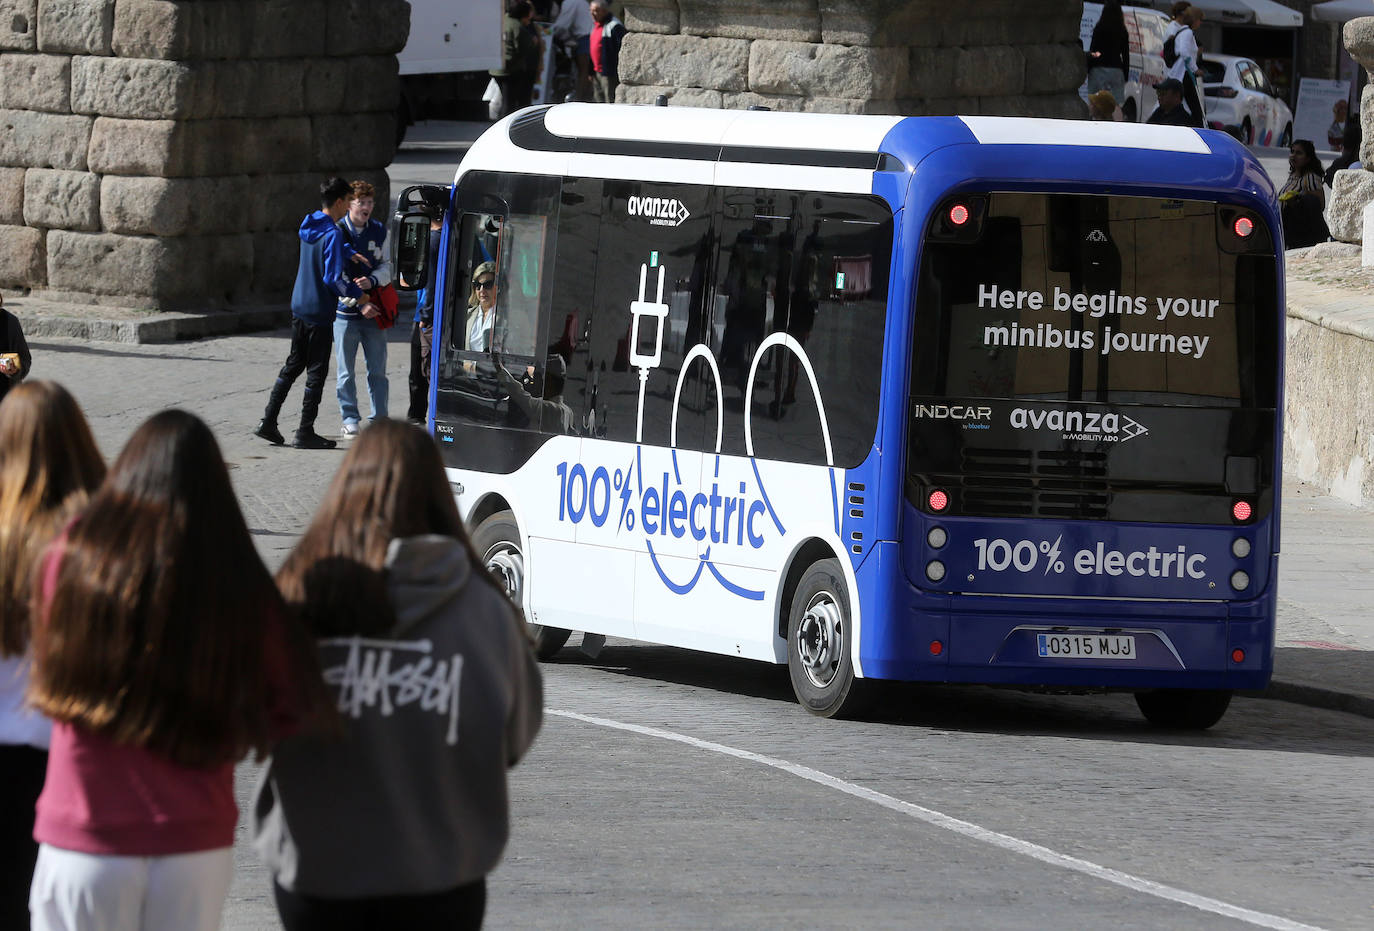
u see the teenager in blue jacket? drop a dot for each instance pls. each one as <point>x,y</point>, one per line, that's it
<point>322,279</point>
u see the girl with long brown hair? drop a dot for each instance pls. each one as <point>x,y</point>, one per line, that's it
<point>162,653</point>
<point>48,465</point>
<point>398,821</point>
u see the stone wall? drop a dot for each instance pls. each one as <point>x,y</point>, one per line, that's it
<point>993,57</point>
<point>161,153</point>
<point>1352,190</point>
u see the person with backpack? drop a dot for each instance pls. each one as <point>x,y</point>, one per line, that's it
<point>1181,56</point>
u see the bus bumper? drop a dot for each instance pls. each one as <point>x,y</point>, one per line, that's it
<point>996,640</point>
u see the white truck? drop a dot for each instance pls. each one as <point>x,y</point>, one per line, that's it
<point>452,46</point>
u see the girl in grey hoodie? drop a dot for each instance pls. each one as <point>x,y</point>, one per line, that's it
<point>397,819</point>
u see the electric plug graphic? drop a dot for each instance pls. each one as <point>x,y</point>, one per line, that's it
<point>640,310</point>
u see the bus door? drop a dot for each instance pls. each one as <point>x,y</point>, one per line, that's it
<point>641,418</point>
<point>497,397</point>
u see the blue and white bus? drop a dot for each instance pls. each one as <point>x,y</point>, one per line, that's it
<point>950,399</point>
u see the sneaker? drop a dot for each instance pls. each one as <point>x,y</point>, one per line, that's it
<point>350,429</point>
<point>270,433</point>
<point>312,440</point>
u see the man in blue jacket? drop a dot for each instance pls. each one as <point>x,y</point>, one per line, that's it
<point>322,279</point>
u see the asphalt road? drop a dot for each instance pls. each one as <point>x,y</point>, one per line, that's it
<point>670,789</point>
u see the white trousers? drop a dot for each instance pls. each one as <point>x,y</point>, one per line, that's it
<point>89,892</point>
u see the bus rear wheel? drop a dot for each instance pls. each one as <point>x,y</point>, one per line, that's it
<point>497,541</point>
<point>820,636</point>
<point>1184,709</point>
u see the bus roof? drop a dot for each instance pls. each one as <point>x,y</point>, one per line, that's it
<point>842,152</point>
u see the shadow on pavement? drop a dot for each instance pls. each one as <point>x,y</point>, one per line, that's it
<point>1248,724</point>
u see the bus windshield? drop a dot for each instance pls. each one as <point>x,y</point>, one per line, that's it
<point>1096,357</point>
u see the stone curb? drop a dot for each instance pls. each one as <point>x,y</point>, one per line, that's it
<point>1315,696</point>
<point>156,328</point>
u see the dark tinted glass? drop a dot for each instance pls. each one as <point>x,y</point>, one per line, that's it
<point>800,302</point>
<point>1097,357</point>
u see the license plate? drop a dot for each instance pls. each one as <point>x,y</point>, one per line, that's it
<point>1086,646</point>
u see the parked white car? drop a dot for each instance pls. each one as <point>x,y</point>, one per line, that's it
<point>1241,101</point>
<point>1145,30</point>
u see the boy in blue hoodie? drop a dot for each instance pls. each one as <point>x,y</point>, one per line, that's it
<point>322,280</point>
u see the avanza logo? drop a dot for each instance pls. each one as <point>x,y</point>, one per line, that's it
<point>660,211</point>
<point>1079,425</point>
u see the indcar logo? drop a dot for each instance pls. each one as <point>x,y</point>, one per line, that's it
<point>1097,236</point>
<point>660,211</point>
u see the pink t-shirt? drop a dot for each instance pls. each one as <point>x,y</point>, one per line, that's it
<point>108,798</point>
<point>102,797</point>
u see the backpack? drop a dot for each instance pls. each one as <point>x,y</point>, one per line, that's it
<point>1170,54</point>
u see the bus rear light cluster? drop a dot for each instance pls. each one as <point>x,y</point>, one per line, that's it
<point>1243,227</point>
<point>1242,511</point>
<point>938,500</point>
<point>958,215</point>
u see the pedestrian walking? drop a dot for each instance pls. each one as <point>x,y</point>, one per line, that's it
<point>1181,55</point>
<point>359,324</point>
<point>605,51</point>
<point>15,359</point>
<point>520,58</point>
<point>323,277</point>
<point>48,465</point>
<point>572,29</point>
<point>398,822</point>
<point>162,653</point>
<point>1109,52</point>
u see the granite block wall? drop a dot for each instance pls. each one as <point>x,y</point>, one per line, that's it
<point>160,153</point>
<point>992,57</point>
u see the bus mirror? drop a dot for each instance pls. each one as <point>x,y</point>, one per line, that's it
<point>412,252</point>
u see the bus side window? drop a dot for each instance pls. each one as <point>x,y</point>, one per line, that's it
<point>799,312</point>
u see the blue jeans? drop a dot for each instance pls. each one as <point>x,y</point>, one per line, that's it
<point>348,334</point>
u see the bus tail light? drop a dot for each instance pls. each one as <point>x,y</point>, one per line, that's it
<point>935,570</point>
<point>1243,226</point>
<point>959,219</point>
<point>938,500</point>
<point>1240,580</point>
<point>1242,511</point>
<point>1237,655</point>
<point>936,648</point>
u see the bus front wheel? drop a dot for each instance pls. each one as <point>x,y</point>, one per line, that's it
<point>1184,709</point>
<point>497,541</point>
<point>819,639</point>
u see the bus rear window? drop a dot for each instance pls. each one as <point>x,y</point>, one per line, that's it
<point>1122,300</point>
<point>1095,357</point>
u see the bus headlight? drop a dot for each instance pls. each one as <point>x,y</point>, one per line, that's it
<point>935,570</point>
<point>937,537</point>
<point>1240,580</point>
<point>1240,547</point>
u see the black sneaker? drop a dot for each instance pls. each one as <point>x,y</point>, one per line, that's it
<point>312,440</point>
<point>270,433</point>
